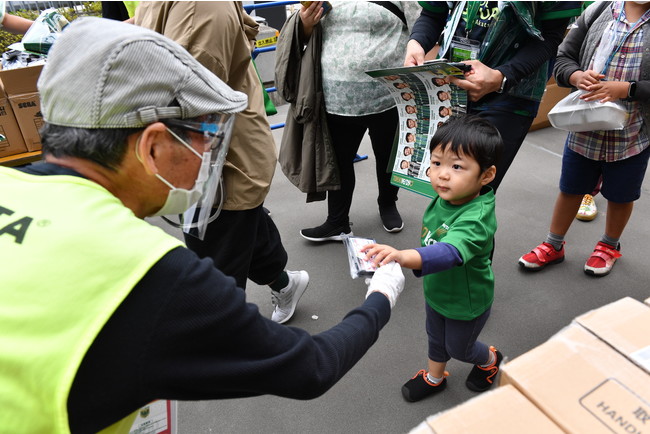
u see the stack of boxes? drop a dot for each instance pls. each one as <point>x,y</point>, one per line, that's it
<point>591,377</point>
<point>20,111</point>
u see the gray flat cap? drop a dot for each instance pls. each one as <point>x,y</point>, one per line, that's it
<point>103,73</point>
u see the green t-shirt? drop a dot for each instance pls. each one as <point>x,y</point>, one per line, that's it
<point>466,291</point>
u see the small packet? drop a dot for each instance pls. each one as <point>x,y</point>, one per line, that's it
<point>13,59</point>
<point>357,259</point>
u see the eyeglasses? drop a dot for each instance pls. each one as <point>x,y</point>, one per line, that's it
<point>213,128</point>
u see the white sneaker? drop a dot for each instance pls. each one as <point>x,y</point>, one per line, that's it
<point>286,299</point>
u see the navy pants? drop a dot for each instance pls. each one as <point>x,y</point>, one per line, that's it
<point>457,339</point>
<point>346,133</point>
<point>243,244</point>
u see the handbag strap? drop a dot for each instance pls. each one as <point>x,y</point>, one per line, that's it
<point>393,8</point>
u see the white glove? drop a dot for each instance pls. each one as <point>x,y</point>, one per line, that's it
<point>389,280</point>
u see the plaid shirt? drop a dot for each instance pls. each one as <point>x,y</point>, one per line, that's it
<point>625,65</point>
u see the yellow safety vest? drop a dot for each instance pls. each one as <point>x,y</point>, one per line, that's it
<point>70,253</point>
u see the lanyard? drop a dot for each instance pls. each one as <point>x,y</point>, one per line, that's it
<point>635,26</point>
<point>450,27</point>
<point>472,10</point>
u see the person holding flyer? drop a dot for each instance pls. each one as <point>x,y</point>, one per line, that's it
<point>509,46</point>
<point>457,237</point>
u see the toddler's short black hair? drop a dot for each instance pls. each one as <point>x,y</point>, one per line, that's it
<point>472,135</point>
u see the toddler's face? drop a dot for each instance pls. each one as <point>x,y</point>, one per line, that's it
<point>457,178</point>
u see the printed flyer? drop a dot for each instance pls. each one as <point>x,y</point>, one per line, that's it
<point>424,102</point>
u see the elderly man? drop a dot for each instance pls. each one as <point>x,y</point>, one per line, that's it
<point>101,312</point>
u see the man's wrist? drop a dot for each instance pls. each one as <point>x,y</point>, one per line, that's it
<point>502,88</point>
<point>503,82</point>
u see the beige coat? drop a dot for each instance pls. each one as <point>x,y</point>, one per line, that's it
<point>219,35</point>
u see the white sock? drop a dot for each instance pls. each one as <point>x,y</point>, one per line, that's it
<point>434,380</point>
<point>493,358</point>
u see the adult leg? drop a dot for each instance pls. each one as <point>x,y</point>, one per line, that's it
<point>381,129</point>
<point>269,256</point>
<point>346,134</point>
<point>513,129</point>
<point>230,242</point>
<point>268,268</point>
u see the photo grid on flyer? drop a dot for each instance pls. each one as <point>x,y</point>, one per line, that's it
<point>424,101</point>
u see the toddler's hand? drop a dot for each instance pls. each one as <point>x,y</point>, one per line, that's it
<point>381,254</point>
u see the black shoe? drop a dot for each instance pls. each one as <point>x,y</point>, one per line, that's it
<point>481,379</point>
<point>419,387</point>
<point>326,232</point>
<point>390,218</point>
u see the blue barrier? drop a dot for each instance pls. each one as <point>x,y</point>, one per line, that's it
<point>249,8</point>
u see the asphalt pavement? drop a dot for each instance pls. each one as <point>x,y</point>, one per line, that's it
<point>528,307</point>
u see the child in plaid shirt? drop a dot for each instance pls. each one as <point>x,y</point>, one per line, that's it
<point>604,56</point>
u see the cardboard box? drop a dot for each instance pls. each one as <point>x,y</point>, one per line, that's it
<point>625,326</point>
<point>20,80</point>
<point>552,95</point>
<point>20,86</point>
<point>27,108</point>
<point>11,139</point>
<point>582,384</point>
<point>500,411</point>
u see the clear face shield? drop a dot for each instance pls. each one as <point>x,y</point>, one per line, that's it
<point>214,131</point>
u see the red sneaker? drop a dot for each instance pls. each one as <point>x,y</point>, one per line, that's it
<point>602,260</point>
<point>541,256</point>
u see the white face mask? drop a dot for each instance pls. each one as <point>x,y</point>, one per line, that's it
<point>180,199</point>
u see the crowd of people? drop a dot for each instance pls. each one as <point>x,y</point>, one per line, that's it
<point>163,115</point>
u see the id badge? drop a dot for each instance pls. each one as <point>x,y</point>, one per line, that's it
<point>464,49</point>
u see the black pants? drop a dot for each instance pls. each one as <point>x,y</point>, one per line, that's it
<point>513,129</point>
<point>243,244</point>
<point>346,133</point>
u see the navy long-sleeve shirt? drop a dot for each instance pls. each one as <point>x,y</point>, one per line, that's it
<point>186,332</point>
